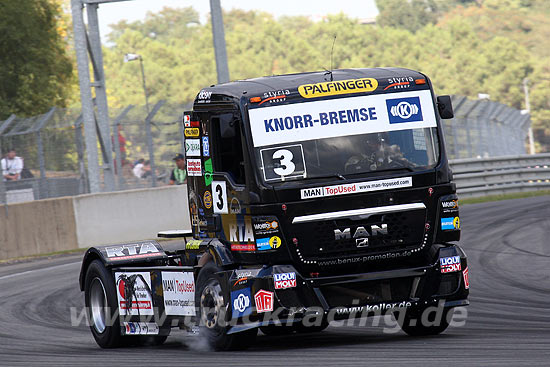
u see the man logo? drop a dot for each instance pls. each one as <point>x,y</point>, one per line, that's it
<point>362,242</point>
<point>361,233</point>
<point>404,110</point>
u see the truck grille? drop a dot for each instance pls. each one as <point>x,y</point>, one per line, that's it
<point>405,230</point>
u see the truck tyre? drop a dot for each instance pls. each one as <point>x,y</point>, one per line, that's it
<point>212,309</point>
<point>412,323</point>
<point>101,303</point>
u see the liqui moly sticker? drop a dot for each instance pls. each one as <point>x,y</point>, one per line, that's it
<point>284,280</point>
<point>393,183</point>
<point>194,167</point>
<point>450,264</point>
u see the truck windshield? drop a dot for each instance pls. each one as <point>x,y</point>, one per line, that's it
<point>344,137</point>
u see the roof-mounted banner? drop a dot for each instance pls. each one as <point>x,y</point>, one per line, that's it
<point>342,117</point>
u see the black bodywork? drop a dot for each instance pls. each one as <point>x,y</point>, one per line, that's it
<point>400,266</point>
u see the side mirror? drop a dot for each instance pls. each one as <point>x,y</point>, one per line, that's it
<point>227,125</point>
<point>445,107</point>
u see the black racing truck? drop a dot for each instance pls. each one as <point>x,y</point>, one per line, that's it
<point>313,198</point>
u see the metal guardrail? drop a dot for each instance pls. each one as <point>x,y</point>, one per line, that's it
<point>501,175</point>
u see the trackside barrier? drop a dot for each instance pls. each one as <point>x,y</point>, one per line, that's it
<point>501,175</point>
<point>68,223</point>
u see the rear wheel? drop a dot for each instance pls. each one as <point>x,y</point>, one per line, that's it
<point>422,322</point>
<point>213,308</point>
<point>101,305</point>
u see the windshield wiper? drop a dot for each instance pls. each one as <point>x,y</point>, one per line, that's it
<point>337,175</point>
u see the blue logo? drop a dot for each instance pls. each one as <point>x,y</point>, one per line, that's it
<point>205,146</point>
<point>262,244</point>
<point>447,223</point>
<point>404,110</point>
<point>240,302</point>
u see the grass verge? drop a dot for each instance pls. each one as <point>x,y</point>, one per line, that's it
<point>517,195</point>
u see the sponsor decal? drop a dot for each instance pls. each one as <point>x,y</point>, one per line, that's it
<point>393,183</point>
<point>363,259</point>
<point>186,120</point>
<point>466,277</point>
<point>284,280</point>
<point>323,119</point>
<point>264,301</point>
<point>203,94</point>
<point>270,243</point>
<point>207,199</point>
<point>399,82</point>
<point>338,87</point>
<point>134,293</point>
<point>235,206</point>
<point>194,167</point>
<point>178,293</point>
<point>193,245</point>
<point>191,132</point>
<point>241,230</point>
<point>275,242</point>
<point>240,301</point>
<point>208,170</point>
<point>243,247</point>
<point>266,227</point>
<point>141,328</point>
<point>262,244</point>
<point>373,308</point>
<point>192,147</point>
<point>450,223</point>
<point>404,110</point>
<point>452,204</point>
<point>205,147</point>
<point>450,264</point>
<point>274,96</point>
<point>244,275</point>
<point>132,251</point>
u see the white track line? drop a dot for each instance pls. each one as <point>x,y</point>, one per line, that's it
<point>37,270</point>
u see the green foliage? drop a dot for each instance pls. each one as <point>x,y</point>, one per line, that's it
<point>450,41</point>
<point>35,72</point>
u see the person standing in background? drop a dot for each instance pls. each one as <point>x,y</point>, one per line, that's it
<point>12,165</point>
<point>179,174</point>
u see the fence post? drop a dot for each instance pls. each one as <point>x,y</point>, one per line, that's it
<point>43,187</point>
<point>150,140</point>
<point>118,158</point>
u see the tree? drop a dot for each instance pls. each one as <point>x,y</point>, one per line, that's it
<point>35,71</point>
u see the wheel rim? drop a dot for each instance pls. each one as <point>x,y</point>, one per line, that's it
<point>98,304</point>
<point>211,305</point>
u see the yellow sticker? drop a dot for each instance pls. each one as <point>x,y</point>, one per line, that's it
<point>338,87</point>
<point>207,199</point>
<point>191,132</point>
<point>193,245</point>
<point>275,242</point>
<point>456,223</point>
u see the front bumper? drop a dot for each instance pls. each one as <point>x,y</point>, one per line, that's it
<point>280,294</point>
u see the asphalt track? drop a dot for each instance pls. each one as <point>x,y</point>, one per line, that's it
<point>508,245</point>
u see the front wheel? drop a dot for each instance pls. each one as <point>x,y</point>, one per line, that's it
<point>213,308</point>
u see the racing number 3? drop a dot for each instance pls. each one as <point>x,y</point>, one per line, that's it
<point>287,166</point>
<point>220,197</point>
